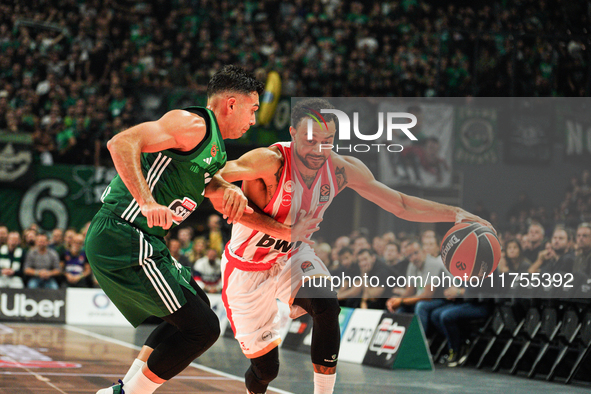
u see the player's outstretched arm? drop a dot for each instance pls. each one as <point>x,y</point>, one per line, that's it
<point>351,172</point>
<point>177,129</point>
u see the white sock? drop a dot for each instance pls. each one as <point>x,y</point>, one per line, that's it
<point>140,384</point>
<point>324,384</point>
<point>136,366</point>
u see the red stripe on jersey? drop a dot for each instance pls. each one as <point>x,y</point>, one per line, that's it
<point>246,266</point>
<point>240,250</point>
<point>227,272</point>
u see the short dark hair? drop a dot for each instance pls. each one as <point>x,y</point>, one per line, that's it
<point>370,251</point>
<point>232,78</point>
<point>302,108</point>
<point>345,250</point>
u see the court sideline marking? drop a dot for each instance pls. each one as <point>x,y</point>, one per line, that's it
<point>132,346</point>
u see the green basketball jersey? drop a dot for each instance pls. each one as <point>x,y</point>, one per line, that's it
<point>177,179</point>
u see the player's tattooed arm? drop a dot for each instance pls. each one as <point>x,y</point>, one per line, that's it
<point>341,177</point>
<point>360,179</point>
<point>278,173</point>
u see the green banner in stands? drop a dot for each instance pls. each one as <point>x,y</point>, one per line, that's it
<point>399,343</point>
<point>58,196</point>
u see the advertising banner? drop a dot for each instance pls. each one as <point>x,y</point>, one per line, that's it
<point>92,307</point>
<point>357,336</point>
<point>398,342</point>
<point>28,305</point>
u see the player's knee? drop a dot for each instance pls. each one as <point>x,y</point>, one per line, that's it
<point>325,308</point>
<point>202,330</point>
<point>266,367</point>
<point>213,327</point>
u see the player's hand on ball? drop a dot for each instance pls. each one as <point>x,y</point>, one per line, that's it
<point>159,215</point>
<point>465,216</point>
<point>235,204</point>
<point>304,226</point>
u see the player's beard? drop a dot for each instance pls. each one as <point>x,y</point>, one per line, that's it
<point>312,165</point>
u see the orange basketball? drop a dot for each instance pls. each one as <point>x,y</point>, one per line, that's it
<point>470,249</point>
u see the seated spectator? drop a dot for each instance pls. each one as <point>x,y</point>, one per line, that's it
<point>397,263</point>
<point>174,246</point>
<point>42,265</point>
<point>360,243</point>
<point>185,235</point>
<point>582,262</point>
<point>323,251</point>
<point>11,262</point>
<point>215,236</point>
<point>3,235</point>
<point>207,272</point>
<point>198,250</point>
<point>452,315</point>
<point>75,265</point>
<point>418,287</point>
<point>513,259</point>
<point>431,246</point>
<point>556,257</point>
<point>535,241</point>
<point>57,241</point>
<point>377,274</point>
<point>378,244</point>
<point>347,264</point>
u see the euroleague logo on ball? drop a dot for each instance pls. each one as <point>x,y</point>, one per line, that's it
<point>461,266</point>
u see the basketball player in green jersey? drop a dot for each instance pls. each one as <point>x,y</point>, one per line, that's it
<point>165,170</point>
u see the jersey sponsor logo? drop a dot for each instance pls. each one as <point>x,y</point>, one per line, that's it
<point>182,208</point>
<point>267,335</point>
<point>387,338</point>
<point>278,244</point>
<point>208,160</point>
<point>307,266</point>
<point>288,186</point>
<point>214,150</point>
<point>286,200</point>
<point>324,193</point>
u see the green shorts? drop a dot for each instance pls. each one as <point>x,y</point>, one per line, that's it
<point>135,269</point>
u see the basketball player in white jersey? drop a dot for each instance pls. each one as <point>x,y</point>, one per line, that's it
<point>290,182</point>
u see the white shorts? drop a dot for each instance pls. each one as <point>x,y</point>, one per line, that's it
<point>250,297</point>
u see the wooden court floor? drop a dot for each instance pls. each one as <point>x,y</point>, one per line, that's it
<point>52,359</point>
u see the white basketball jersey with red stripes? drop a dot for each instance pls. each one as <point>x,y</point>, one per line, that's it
<point>256,251</point>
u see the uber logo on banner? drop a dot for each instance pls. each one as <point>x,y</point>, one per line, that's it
<point>38,305</point>
<point>357,335</point>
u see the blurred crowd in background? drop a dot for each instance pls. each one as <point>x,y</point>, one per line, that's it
<point>68,68</point>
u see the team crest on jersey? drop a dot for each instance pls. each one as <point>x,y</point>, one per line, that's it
<point>214,150</point>
<point>288,186</point>
<point>325,192</point>
<point>307,266</point>
<point>183,208</point>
